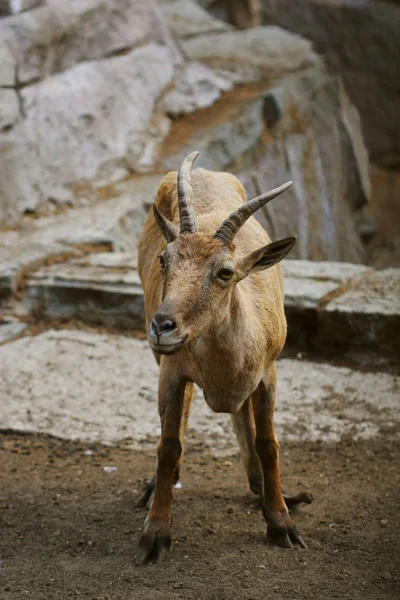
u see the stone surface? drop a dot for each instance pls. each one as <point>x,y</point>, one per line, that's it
<point>113,224</point>
<point>77,122</point>
<point>17,6</point>
<point>308,282</point>
<point>311,139</point>
<point>366,315</point>
<point>7,65</point>
<point>353,313</point>
<point>11,330</point>
<point>187,19</point>
<point>102,91</point>
<point>222,143</point>
<point>21,258</point>
<point>62,33</point>
<point>94,387</point>
<point>361,42</point>
<point>9,108</point>
<point>196,87</point>
<point>101,288</point>
<point>260,51</point>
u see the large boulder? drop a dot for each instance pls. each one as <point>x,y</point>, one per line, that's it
<point>260,52</point>
<point>81,81</point>
<point>77,122</point>
<point>61,33</point>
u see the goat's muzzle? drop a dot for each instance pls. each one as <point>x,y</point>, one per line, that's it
<point>164,336</point>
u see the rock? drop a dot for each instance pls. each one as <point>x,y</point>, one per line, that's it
<point>221,141</point>
<point>91,103</point>
<point>259,52</point>
<point>7,65</point>
<point>312,140</point>
<point>9,109</point>
<point>361,42</point>
<point>195,87</point>
<point>187,19</point>
<point>17,6</point>
<point>101,289</point>
<point>58,35</point>
<point>339,309</point>
<point>308,282</point>
<point>19,259</point>
<point>118,380</point>
<point>9,331</point>
<point>365,316</point>
<point>113,224</point>
<point>143,152</point>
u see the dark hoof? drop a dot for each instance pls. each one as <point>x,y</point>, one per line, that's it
<point>282,532</point>
<point>155,543</point>
<point>301,498</point>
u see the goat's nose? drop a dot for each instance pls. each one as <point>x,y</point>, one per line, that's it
<point>162,323</point>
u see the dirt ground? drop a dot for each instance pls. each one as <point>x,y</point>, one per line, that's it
<point>69,529</point>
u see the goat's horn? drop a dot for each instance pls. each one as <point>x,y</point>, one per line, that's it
<point>187,216</point>
<point>229,228</point>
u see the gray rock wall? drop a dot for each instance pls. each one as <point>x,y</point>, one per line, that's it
<point>93,92</point>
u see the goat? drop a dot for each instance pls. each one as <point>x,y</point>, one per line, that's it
<point>214,314</point>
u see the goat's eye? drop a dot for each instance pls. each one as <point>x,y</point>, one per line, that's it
<point>225,274</point>
<point>162,261</point>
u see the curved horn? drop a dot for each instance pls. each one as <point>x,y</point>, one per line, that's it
<point>187,216</point>
<point>229,228</point>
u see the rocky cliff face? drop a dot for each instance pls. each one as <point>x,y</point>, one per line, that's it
<point>360,41</point>
<point>97,92</point>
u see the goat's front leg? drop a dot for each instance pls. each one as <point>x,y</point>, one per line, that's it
<point>280,528</point>
<point>156,537</point>
<point>147,494</point>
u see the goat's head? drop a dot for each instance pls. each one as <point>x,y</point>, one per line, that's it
<point>200,271</point>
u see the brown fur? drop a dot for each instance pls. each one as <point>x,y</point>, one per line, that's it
<point>234,332</point>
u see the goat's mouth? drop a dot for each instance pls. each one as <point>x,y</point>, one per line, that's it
<point>166,348</point>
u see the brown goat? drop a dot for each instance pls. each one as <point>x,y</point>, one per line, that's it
<point>214,314</point>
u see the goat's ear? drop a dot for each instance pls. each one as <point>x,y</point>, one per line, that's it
<point>169,230</point>
<point>265,257</point>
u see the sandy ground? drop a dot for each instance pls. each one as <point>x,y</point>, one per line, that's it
<point>69,529</point>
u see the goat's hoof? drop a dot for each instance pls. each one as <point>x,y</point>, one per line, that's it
<point>300,498</point>
<point>282,532</point>
<point>154,543</point>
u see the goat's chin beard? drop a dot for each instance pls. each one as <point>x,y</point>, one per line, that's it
<point>168,349</point>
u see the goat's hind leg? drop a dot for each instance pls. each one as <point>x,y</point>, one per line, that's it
<point>244,426</point>
<point>280,528</point>
<point>245,430</point>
